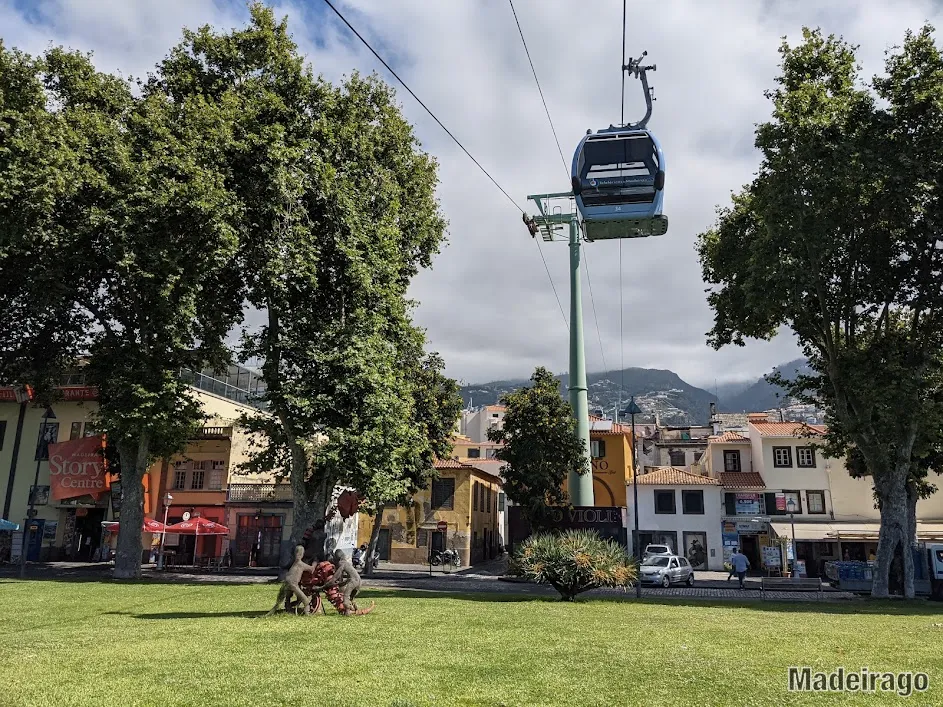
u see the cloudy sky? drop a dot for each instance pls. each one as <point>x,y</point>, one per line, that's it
<point>487,303</point>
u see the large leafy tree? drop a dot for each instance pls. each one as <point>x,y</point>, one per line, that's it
<point>407,456</point>
<point>339,214</point>
<point>116,245</point>
<point>541,446</point>
<point>838,238</point>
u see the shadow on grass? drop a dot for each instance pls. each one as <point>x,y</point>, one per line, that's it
<point>520,592</point>
<point>191,614</point>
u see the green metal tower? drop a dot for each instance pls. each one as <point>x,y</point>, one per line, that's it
<point>557,212</point>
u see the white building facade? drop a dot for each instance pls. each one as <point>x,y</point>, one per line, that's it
<point>681,510</point>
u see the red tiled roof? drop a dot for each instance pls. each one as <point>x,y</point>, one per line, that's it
<point>741,480</point>
<point>618,428</point>
<point>450,464</point>
<point>729,437</point>
<point>787,429</point>
<point>671,476</point>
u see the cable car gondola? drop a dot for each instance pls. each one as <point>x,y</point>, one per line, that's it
<point>618,177</point>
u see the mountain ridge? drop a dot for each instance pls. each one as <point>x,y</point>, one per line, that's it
<point>658,392</point>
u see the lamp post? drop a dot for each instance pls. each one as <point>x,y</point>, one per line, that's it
<point>168,499</point>
<point>791,507</point>
<point>31,513</point>
<point>634,410</point>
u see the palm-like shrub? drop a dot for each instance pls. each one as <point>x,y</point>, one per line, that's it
<point>573,561</point>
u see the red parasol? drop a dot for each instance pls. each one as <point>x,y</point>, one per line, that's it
<point>197,526</point>
<point>150,526</point>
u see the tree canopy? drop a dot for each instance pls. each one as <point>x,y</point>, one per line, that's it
<point>541,446</point>
<point>339,213</point>
<point>117,245</point>
<point>838,237</point>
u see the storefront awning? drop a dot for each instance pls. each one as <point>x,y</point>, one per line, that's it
<point>805,531</point>
<point>829,532</point>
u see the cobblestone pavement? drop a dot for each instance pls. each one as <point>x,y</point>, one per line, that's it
<point>479,579</point>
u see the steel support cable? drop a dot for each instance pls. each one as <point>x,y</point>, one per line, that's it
<point>457,142</point>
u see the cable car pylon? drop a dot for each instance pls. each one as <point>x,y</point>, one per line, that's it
<point>618,180</point>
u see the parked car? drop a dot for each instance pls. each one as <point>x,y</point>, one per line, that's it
<point>656,551</point>
<point>666,570</point>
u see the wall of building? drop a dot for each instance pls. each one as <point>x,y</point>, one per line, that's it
<point>410,528</point>
<point>709,523</point>
<point>611,470</point>
<point>714,457</point>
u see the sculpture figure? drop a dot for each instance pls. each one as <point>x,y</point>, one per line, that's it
<point>347,582</point>
<point>291,583</point>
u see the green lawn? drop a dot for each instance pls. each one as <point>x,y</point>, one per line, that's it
<point>73,643</point>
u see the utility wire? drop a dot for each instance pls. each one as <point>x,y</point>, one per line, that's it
<point>566,169</point>
<point>456,140</point>
<point>591,299</point>
<point>539,90</point>
<point>623,69</point>
<point>621,330</point>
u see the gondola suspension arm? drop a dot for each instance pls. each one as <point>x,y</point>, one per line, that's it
<point>635,68</point>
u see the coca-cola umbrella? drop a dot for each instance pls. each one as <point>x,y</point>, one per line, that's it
<point>197,526</point>
<point>150,526</point>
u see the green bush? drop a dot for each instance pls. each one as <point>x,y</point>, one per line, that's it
<point>573,561</point>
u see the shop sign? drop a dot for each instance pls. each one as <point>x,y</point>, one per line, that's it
<point>780,501</point>
<point>77,468</point>
<point>83,392</point>
<point>750,526</point>
<point>772,556</point>
<point>748,504</point>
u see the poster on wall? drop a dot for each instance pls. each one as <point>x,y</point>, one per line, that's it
<point>48,434</point>
<point>695,549</point>
<point>729,538</point>
<point>49,530</point>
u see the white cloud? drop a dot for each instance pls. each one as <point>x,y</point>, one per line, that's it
<point>486,303</point>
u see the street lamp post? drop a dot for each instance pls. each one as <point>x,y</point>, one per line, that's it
<point>634,410</point>
<point>31,513</point>
<point>791,507</point>
<point>168,499</point>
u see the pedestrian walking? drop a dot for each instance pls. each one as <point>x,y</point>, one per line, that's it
<point>739,564</point>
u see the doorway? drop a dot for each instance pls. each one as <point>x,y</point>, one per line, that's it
<point>384,544</point>
<point>88,533</point>
<point>750,546</point>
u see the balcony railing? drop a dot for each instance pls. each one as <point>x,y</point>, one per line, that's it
<point>214,433</point>
<point>258,493</point>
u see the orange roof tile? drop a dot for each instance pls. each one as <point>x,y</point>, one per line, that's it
<point>741,480</point>
<point>671,476</point>
<point>618,428</point>
<point>450,464</point>
<point>787,429</point>
<point>729,437</point>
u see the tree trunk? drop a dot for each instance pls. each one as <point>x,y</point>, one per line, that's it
<point>134,460</point>
<point>374,537</point>
<point>894,535</point>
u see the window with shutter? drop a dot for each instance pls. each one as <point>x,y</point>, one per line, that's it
<point>443,493</point>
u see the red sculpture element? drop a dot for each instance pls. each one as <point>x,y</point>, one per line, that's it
<point>322,574</point>
<point>348,503</point>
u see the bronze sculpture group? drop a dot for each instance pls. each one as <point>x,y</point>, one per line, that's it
<point>337,578</point>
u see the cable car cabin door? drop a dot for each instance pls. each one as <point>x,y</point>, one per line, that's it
<point>618,180</point>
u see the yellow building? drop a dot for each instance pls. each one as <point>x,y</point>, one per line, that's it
<point>463,497</point>
<point>611,456</point>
